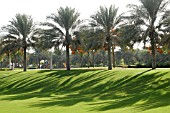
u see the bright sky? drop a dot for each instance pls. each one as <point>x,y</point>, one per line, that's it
<point>39,9</point>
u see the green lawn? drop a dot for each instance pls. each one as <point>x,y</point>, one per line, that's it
<point>85,91</point>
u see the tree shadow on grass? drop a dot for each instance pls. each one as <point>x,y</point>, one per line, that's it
<point>152,89</point>
<point>51,83</point>
<point>87,86</point>
<point>89,90</point>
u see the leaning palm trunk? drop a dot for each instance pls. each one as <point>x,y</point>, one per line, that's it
<point>25,59</point>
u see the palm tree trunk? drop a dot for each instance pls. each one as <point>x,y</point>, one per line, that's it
<point>51,61</point>
<point>81,61</point>
<point>10,62</point>
<point>153,48</point>
<point>25,59</point>
<point>103,60</point>
<point>109,58</point>
<point>88,59</point>
<point>113,56</point>
<point>109,52</point>
<point>93,60</point>
<point>39,64</point>
<point>153,54</point>
<point>67,51</point>
<point>67,58</point>
<point>2,64</point>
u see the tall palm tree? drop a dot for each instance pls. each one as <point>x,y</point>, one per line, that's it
<point>150,15</point>
<point>66,22</point>
<point>107,19</point>
<point>22,30</point>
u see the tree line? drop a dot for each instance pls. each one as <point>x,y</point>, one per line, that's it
<point>148,23</point>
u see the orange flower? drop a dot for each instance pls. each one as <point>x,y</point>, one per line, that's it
<point>81,50</point>
<point>73,52</point>
<point>149,48</point>
<point>168,52</point>
<point>160,50</point>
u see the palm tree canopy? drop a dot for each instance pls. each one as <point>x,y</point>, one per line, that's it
<point>152,7</point>
<point>49,38</point>
<point>21,28</point>
<point>149,13</point>
<point>66,18</point>
<point>105,17</point>
<point>64,22</point>
<point>9,44</point>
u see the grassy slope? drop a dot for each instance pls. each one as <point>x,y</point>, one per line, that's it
<point>85,91</point>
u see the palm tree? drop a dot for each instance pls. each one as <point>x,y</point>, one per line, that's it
<point>128,36</point>
<point>165,41</point>
<point>66,22</point>
<point>91,41</point>
<point>107,19</point>
<point>150,15</point>
<point>8,47</point>
<point>49,39</point>
<point>22,30</point>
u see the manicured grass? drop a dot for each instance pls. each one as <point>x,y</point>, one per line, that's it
<point>85,91</point>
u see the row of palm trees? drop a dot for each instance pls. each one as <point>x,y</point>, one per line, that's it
<point>148,22</point>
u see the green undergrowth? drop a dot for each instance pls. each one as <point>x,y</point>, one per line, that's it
<point>85,91</point>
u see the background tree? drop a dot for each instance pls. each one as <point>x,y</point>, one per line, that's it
<point>49,39</point>
<point>92,40</point>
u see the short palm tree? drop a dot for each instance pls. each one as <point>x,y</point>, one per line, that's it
<point>150,15</point>
<point>107,19</point>
<point>8,47</point>
<point>49,39</point>
<point>166,35</point>
<point>21,31</point>
<point>66,22</point>
<point>95,42</point>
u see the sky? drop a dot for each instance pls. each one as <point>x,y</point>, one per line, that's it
<point>39,9</point>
